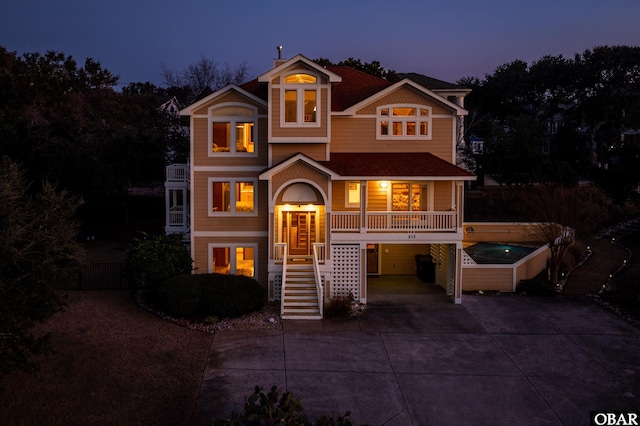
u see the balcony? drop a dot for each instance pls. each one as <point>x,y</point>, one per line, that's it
<point>178,173</point>
<point>428,221</point>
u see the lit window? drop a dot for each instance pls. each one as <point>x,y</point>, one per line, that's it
<point>353,194</point>
<point>404,122</point>
<point>407,197</point>
<point>242,193</point>
<point>232,259</point>
<point>232,130</point>
<point>300,102</point>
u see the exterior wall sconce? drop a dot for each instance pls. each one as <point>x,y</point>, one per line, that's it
<point>384,184</point>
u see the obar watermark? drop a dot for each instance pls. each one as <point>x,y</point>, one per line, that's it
<point>610,418</point>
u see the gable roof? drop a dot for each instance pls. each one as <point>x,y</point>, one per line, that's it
<point>232,87</point>
<point>430,82</point>
<point>266,77</point>
<point>395,165</point>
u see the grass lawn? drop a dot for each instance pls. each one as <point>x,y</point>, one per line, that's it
<point>115,364</point>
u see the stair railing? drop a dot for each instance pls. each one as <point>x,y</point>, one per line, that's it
<point>316,272</point>
<point>285,255</point>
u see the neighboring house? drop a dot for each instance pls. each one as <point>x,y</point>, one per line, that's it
<point>315,179</point>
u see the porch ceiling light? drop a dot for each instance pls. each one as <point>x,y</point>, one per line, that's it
<point>384,184</point>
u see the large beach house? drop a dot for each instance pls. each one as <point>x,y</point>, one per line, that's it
<point>314,179</point>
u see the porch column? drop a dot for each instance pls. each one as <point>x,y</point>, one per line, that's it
<point>363,206</point>
<point>457,287</point>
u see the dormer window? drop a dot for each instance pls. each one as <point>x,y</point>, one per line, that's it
<point>404,122</point>
<point>232,130</point>
<point>300,100</point>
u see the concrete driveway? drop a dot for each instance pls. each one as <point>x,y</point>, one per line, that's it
<point>420,360</point>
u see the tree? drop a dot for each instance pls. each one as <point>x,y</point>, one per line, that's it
<point>65,122</point>
<point>558,213</point>
<point>202,76</point>
<point>373,67</point>
<point>38,251</point>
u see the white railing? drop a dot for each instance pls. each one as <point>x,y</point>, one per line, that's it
<point>395,221</point>
<point>317,249</point>
<point>279,252</point>
<point>178,173</point>
<point>320,251</point>
<point>284,277</point>
<point>177,218</point>
<point>345,221</point>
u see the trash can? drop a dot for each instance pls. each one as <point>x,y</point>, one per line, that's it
<point>425,268</point>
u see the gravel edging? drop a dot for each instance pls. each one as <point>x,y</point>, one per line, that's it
<point>267,318</point>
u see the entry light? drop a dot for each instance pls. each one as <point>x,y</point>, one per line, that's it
<point>384,184</point>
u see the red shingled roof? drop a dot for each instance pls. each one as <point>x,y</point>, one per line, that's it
<point>389,165</point>
<point>356,86</point>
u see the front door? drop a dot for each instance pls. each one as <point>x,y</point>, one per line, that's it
<point>299,231</point>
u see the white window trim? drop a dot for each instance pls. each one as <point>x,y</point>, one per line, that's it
<point>232,120</point>
<point>417,119</point>
<point>430,195</point>
<point>300,88</point>
<point>232,196</point>
<point>346,194</point>
<point>233,267</point>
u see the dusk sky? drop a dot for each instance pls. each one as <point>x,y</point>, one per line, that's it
<point>444,39</point>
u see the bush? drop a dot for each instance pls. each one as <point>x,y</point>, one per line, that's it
<point>154,258</point>
<point>204,295</point>
<point>272,409</point>
<point>338,307</point>
<point>537,286</point>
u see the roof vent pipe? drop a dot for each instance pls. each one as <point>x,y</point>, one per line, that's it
<point>279,52</point>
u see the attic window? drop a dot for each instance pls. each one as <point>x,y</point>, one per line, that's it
<point>300,79</point>
<point>404,122</point>
<point>299,99</point>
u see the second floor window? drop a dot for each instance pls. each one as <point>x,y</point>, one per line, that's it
<point>300,101</point>
<point>404,122</point>
<point>232,197</point>
<point>232,130</point>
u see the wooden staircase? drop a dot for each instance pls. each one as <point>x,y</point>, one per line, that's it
<point>300,296</point>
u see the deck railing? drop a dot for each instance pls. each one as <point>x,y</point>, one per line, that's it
<point>178,173</point>
<point>395,221</point>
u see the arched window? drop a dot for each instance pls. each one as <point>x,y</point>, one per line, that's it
<point>232,130</point>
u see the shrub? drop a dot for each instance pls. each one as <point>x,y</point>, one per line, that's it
<point>154,258</point>
<point>338,307</point>
<point>205,295</point>
<point>272,409</point>
<point>537,286</point>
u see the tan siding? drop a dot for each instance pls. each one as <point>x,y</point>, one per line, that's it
<point>500,279</point>
<point>201,135</point>
<point>533,266</point>
<point>376,197</point>
<point>200,209</point>
<point>230,96</point>
<point>442,195</point>
<point>316,151</point>
<point>400,258</point>
<point>338,191</point>
<point>358,134</point>
<point>299,132</point>
<point>404,95</point>
<point>201,255</point>
<point>300,170</point>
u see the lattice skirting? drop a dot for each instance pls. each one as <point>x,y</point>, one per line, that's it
<point>345,276</point>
